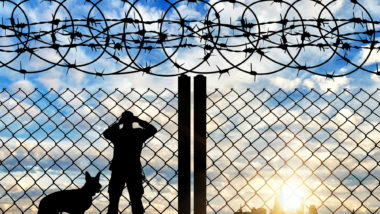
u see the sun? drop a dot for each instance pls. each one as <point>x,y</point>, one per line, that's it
<point>290,198</point>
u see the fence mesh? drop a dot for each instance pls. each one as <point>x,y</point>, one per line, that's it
<point>322,146</point>
<point>50,138</point>
<point>271,148</point>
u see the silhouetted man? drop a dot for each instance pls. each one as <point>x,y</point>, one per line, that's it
<point>126,166</point>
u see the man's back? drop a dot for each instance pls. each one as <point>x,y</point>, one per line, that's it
<point>128,143</point>
<point>128,148</point>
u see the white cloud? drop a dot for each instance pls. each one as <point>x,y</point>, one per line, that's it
<point>324,83</point>
<point>149,13</point>
<point>188,11</point>
<point>376,79</point>
<point>51,79</point>
<point>373,7</point>
<point>373,58</point>
<point>286,84</point>
<point>309,83</point>
<point>25,85</point>
<point>336,6</point>
<point>49,55</point>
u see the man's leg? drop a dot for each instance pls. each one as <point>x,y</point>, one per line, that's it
<point>115,189</point>
<point>136,191</point>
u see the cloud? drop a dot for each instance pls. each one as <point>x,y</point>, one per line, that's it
<point>51,79</point>
<point>376,79</point>
<point>309,83</point>
<point>188,11</point>
<point>323,83</point>
<point>286,84</point>
<point>25,85</point>
<point>373,58</point>
<point>373,7</point>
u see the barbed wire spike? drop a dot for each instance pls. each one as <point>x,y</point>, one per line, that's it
<point>223,71</point>
<point>356,20</point>
<point>23,71</point>
<point>301,67</point>
<point>207,57</point>
<point>99,74</point>
<point>160,21</point>
<point>178,66</point>
<point>252,72</point>
<point>145,69</point>
<point>330,76</point>
<point>261,52</point>
<point>71,66</point>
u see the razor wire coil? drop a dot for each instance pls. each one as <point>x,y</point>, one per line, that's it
<point>135,43</point>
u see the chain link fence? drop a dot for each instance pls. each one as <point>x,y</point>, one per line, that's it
<point>50,138</point>
<point>323,146</point>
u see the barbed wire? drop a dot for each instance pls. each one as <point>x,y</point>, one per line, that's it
<point>261,37</point>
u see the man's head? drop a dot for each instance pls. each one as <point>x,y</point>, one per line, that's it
<point>127,117</point>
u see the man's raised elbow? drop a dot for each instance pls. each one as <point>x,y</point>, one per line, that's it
<point>154,131</point>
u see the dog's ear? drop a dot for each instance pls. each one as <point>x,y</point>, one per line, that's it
<point>97,176</point>
<point>88,176</point>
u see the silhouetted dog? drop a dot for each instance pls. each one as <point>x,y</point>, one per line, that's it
<point>75,201</point>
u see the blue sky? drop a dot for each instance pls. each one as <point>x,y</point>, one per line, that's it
<point>60,78</point>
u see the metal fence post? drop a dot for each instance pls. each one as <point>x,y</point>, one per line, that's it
<point>184,165</point>
<point>200,145</point>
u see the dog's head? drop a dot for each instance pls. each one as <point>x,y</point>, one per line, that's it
<point>92,183</point>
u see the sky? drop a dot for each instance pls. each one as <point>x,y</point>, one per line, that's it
<point>60,78</point>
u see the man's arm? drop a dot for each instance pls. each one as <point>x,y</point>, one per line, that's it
<point>148,129</point>
<point>112,133</point>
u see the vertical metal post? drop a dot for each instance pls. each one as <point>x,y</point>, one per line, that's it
<point>184,167</point>
<point>200,145</point>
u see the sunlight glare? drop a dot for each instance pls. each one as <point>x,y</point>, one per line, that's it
<point>290,198</point>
